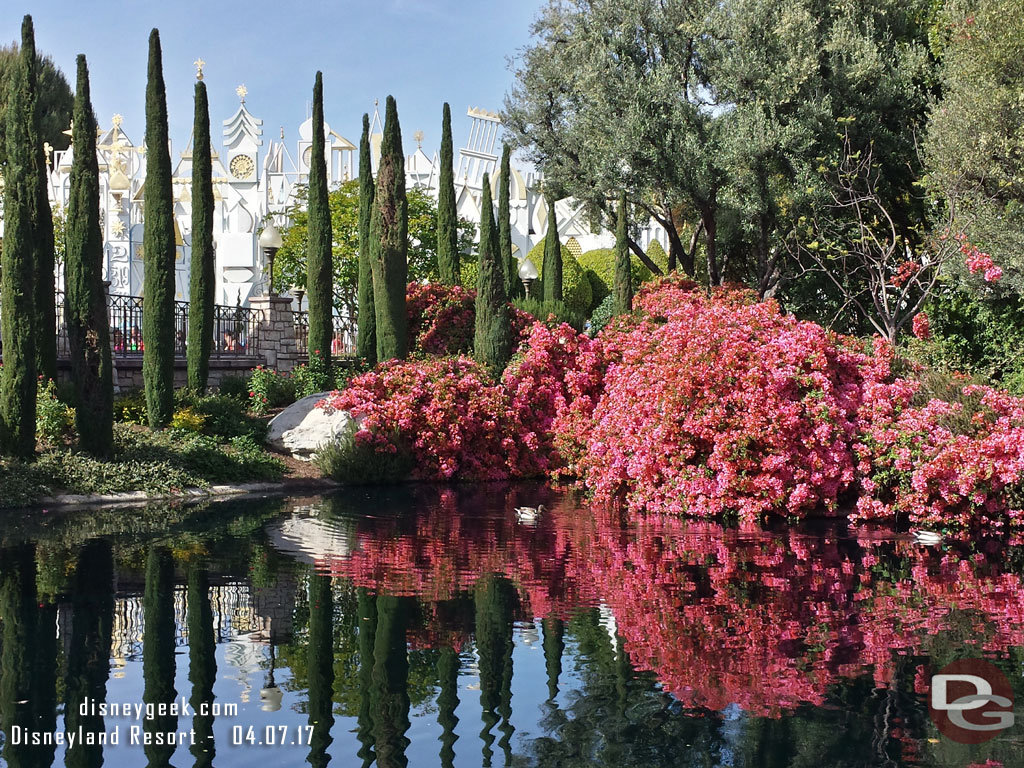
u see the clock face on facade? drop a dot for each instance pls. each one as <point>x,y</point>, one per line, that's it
<point>242,167</point>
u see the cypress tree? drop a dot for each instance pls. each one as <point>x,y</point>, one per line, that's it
<point>389,689</point>
<point>319,271</point>
<point>492,343</point>
<point>202,275</point>
<point>447,703</point>
<point>552,272</point>
<point>389,242</point>
<point>513,285</point>
<point>18,374</point>
<point>447,219</point>
<point>85,304</point>
<point>44,304</point>
<point>158,251</point>
<point>367,607</point>
<point>623,286</point>
<point>366,339</point>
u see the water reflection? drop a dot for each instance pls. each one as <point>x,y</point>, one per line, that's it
<point>424,626</point>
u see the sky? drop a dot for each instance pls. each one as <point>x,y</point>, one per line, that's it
<point>423,52</point>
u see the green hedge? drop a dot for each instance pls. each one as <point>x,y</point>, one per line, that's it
<point>576,290</point>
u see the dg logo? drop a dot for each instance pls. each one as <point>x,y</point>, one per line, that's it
<point>971,701</point>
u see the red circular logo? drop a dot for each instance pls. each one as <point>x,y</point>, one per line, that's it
<point>971,701</point>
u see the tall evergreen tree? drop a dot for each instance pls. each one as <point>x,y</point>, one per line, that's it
<point>85,304</point>
<point>44,303</point>
<point>158,251</point>
<point>389,242</point>
<point>495,602</point>
<point>554,646</point>
<point>551,275</point>
<point>18,374</point>
<point>447,218</point>
<point>366,338</point>
<point>492,343</point>
<point>202,275</point>
<point>319,271</point>
<point>623,285</point>
<point>513,285</point>
<point>19,688</point>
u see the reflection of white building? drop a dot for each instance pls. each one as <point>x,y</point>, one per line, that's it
<point>252,181</point>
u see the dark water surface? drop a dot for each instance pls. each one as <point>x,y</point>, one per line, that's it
<point>428,627</point>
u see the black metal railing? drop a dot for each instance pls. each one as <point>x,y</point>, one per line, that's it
<point>236,330</point>
<point>344,339</point>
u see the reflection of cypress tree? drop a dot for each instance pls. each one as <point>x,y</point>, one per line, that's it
<point>390,684</point>
<point>554,645</point>
<point>367,631</point>
<point>447,701</point>
<point>202,663</point>
<point>89,654</point>
<point>18,608</point>
<point>158,649</point>
<point>44,680</point>
<point>321,668</point>
<point>495,606</point>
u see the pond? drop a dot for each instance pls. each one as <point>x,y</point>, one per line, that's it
<point>428,626</point>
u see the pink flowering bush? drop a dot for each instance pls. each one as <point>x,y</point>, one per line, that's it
<point>942,464</point>
<point>554,384</point>
<point>720,404</point>
<point>447,413</point>
<point>979,261</point>
<point>440,318</point>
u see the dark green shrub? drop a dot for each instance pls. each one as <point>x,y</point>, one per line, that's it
<point>602,315</point>
<point>542,310</point>
<point>236,387</point>
<point>354,463</point>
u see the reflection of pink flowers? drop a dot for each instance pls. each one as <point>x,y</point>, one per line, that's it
<point>920,326</point>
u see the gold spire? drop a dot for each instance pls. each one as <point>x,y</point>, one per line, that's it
<point>199,64</point>
<point>242,91</point>
<point>418,137</point>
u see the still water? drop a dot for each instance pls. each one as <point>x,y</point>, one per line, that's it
<point>429,627</point>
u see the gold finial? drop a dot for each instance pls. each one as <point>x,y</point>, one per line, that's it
<point>418,137</point>
<point>199,64</point>
<point>117,120</point>
<point>71,129</point>
<point>242,91</point>
<point>47,150</point>
<point>376,102</point>
<point>282,133</point>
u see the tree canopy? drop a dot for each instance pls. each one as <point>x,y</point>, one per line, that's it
<point>56,100</point>
<point>290,264</point>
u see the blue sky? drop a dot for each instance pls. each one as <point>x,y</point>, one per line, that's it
<point>424,52</point>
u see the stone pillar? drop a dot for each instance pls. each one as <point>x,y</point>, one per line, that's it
<point>277,331</point>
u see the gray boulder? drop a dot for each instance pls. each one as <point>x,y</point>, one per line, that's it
<point>301,429</point>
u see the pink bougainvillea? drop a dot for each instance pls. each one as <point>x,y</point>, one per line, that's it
<point>699,405</point>
<point>979,261</point>
<point>921,327</point>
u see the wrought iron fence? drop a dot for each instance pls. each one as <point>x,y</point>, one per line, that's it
<point>343,341</point>
<point>235,329</point>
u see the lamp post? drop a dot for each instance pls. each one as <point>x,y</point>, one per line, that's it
<point>527,273</point>
<point>270,243</point>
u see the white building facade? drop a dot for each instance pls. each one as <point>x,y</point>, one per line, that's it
<point>256,182</point>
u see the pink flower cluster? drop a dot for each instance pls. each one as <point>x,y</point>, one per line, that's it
<point>554,385</point>
<point>721,404</point>
<point>921,327</point>
<point>979,261</point>
<point>440,318</point>
<point>447,412</point>
<point>942,464</point>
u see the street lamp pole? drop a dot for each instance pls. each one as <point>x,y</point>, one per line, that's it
<point>528,273</point>
<point>270,243</point>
